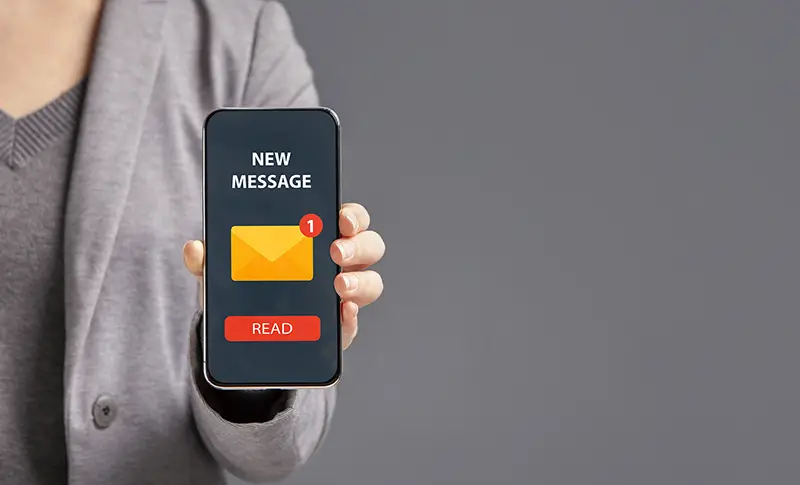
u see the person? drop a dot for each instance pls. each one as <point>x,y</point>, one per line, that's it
<point>100,187</point>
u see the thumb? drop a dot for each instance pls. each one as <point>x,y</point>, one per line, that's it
<point>193,254</point>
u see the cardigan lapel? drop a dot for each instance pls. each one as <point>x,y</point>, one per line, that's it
<point>126,58</point>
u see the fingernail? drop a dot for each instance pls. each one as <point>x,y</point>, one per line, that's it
<point>347,249</point>
<point>350,282</point>
<point>355,312</point>
<point>353,221</point>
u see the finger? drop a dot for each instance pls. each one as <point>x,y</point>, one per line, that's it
<point>193,254</point>
<point>366,248</point>
<point>360,287</point>
<point>349,323</point>
<point>353,218</point>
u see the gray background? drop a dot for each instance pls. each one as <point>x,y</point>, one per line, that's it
<point>591,215</point>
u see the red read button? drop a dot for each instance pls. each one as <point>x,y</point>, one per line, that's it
<point>304,328</point>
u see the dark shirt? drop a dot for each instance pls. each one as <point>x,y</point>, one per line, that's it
<point>35,157</point>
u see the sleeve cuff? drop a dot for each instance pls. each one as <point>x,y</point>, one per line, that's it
<point>268,450</point>
<point>237,406</point>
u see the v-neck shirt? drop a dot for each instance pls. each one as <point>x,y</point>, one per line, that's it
<point>22,139</point>
<point>36,154</point>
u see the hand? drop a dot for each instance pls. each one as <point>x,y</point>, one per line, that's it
<point>355,252</point>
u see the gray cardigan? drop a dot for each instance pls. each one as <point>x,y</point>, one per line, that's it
<point>134,199</point>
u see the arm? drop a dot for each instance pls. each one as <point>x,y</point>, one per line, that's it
<point>263,436</point>
<point>295,423</point>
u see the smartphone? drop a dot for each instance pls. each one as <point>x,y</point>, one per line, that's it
<point>271,200</point>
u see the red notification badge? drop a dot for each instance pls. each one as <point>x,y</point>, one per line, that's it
<point>311,225</point>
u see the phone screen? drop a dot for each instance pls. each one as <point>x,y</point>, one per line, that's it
<point>272,198</point>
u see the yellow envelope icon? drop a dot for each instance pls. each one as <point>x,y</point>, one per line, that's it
<point>271,253</point>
